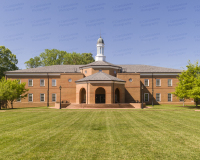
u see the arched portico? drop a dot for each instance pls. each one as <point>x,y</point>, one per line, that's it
<point>100,95</point>
<point>117,96</point>
<point>82,95</point>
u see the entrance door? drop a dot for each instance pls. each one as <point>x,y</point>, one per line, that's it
<point>100,98</point>
<point>100,95</point>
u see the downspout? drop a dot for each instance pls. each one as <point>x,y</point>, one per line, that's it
<point>113,93</point>
<point>48,92</point>
<point>87,92</point>
<point>152,89</point>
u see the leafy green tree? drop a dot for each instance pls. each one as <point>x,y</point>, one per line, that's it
<point>57,57</point>
<point>189,83</point>
<point>8,61</point>
<point>11,90</point>
<point>33,62</point>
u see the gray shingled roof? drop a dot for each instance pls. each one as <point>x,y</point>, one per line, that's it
<point>100,76</point>
<point>146,68</point>
<point>100,63</point>
<point>73,68</point>
<point>51,69</point>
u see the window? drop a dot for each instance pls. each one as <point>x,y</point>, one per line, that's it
<point>158,99</point>
<point>19,81</point>
<point>100,70</point>
<point>130,80</point>
<point>42,97</point>
<point>169,97</point>
<point>146,82</point>
<point>53,97</point>
<point>19,99</point>
<point>30,82</point>
<point>30,97</point>
<point>158,82</point>
<point>146,97</point>
<point>85,71</point>
<point>169,82</point>
<point>53,82</point>
<point>42,82</point>
<point>181,99</point>
<point>70,80</point>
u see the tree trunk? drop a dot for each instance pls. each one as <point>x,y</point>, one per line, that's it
<point>12,104</point>
<point>183,103</point>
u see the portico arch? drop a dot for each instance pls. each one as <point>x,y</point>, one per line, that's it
<point>117,96</point>
<point>82,95</point>
<point>100,95</point>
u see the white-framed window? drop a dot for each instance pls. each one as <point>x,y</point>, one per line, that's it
<point>42,82</point>
<point>53,97</point>
<point>42,97</point>
<point>158,82</point>
<point>30,97</point>
<point>146,97</point>
<point>158,98</point>
<point>53,82</point>
<point>146,82</point>
<point>181,99</point>
<point>169,97</point>
<point>30,82</point>
<point>19,99</point>
<point>169,82</point>
<point>19,81</point>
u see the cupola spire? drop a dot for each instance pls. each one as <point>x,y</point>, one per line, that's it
<point>100,50</point>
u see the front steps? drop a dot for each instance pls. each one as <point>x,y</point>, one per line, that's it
<point>99,106</point>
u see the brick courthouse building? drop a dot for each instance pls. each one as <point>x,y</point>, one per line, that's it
<point>97,82</point>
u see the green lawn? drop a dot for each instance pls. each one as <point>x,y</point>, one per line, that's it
<point>161,132</point>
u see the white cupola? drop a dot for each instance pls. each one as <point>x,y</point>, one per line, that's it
<point>100,50</point>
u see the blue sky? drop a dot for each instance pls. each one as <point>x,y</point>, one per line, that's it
<point>151,32</point>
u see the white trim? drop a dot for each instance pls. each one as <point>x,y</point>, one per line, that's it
<point>52,83</point>
<point>32,97</point>
<point>37,74</point>
<point>40,82</point>
<point>156,74</point>
<point>148,97</point>
<point>168,82</point>
<point>52,97</point>
<point>100,82</point>
<point>32,83</point>
<point>160,82</point>
<point>40,97</point>
<point>100,67</point>
<point>144,82</point>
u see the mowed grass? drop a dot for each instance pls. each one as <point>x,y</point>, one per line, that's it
<point>162,132</point>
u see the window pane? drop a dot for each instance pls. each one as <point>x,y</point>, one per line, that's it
<point>53,97</point>
<point>157,82</point>
<point>146,82</point>
<point>146,97</point>
<point>30,82</point>
<point>169,82</point>
<point>169,97</point>
<point>42,82</point>
<point>19,99</point>
<point>181,99</point>
<point>157,96</point>
<point>53,82</point>
<point>30,97</point>
<point>42,97</point>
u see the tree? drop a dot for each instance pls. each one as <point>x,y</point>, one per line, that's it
<point>11,90</point>
<point>33,62</point>
<point>57,57</point>
<point>8,61</point>
<point>189,83</point>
